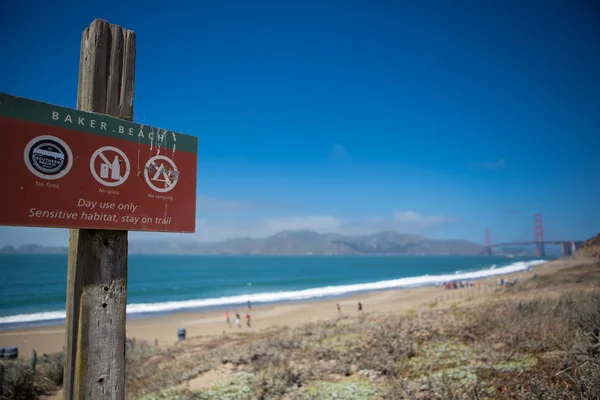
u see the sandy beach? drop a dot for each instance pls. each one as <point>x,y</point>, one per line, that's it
<point>164,328</point>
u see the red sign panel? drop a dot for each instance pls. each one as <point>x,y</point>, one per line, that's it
<point>72,169</point>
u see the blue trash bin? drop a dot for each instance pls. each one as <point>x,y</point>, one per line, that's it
<point>11,353</point>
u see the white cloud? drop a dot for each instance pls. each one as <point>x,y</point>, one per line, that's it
<point>213,231</point>
<point>412,217</point>
<point>315,223</point>
<point>407,216</point>
<point>403,221</point>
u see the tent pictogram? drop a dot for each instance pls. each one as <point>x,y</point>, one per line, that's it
<point>161,174</point>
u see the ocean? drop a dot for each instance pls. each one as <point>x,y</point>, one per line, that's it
<point>33,287</point>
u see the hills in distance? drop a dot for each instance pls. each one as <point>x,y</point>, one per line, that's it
<point>32,249</point>
<point>296,243</point>
<point>312,243</point>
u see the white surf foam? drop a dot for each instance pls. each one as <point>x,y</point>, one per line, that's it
<point>292,295</point>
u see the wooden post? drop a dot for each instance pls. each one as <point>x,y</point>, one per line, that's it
<point>97,280</point>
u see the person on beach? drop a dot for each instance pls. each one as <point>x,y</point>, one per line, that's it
<point>338,307</point>
<point>359,306</point>
<point>249,305</point>
<point>248,320</point>
<point>227,321</point>
<point>238,323</point>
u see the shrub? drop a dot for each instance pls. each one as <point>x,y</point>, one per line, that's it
<point>239,387</point>
<point>354,390</point>
<point>275,381</point>
<point>170,393</point>
<point>18,381</point>
<point>50,372</point>
<point>384,348</point>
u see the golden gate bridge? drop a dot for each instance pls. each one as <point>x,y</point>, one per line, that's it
<point>568,247</point>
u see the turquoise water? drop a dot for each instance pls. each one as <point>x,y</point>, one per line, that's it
<point>33,287</point>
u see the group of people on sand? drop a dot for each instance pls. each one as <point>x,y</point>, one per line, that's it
<point>462,284</point>
<point>457,284</point>
<point>506,282</point>
<point>238,319</point>
<point>339,308</point>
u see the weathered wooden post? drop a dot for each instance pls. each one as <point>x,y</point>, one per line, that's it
<point>97,277</point>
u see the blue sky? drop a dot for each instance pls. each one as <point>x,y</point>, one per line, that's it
<point>433,117</point>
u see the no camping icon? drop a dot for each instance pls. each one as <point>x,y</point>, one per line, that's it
<point>109,166</point>
<point>161,174</point>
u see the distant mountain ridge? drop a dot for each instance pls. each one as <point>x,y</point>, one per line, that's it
<point>32,249</point>
<point>304,242</point>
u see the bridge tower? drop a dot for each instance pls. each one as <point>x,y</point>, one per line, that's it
<point>539,235</point>
<point>488,243</point>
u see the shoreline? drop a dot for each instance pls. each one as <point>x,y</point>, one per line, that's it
<point>53,323</point>
<point>50,339</point>
<point>157,309</point>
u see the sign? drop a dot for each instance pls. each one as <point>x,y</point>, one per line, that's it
<point>67,168</point>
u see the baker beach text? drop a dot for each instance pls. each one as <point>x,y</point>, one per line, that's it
<point>152,135</point>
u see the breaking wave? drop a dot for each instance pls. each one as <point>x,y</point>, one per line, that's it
<point>273,297</point>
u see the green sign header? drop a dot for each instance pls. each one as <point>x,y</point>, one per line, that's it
<point>99,124</point>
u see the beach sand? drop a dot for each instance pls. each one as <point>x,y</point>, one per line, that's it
<point>164,328</point>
